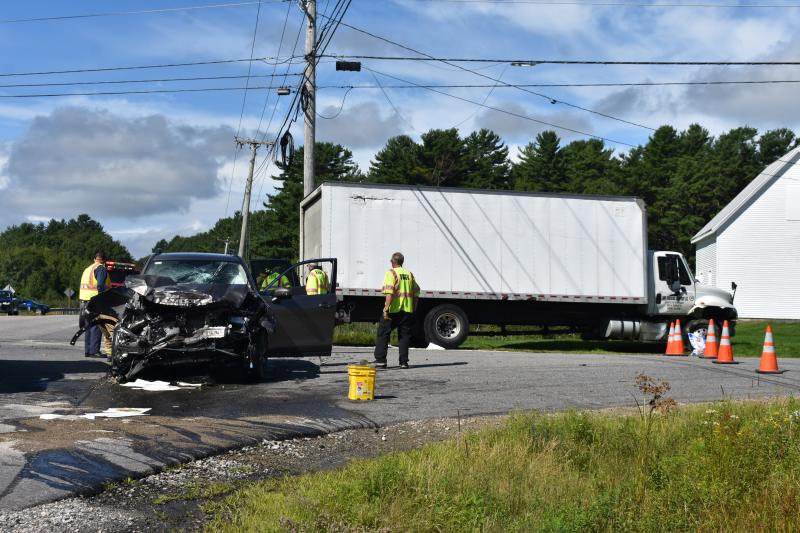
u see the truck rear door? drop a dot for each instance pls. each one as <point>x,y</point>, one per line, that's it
<point>305,321</point>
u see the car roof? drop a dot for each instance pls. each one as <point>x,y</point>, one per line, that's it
<point>177,256</point>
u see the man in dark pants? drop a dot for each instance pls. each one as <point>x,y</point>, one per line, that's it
<point>94,280</point>
<point>401,296</point>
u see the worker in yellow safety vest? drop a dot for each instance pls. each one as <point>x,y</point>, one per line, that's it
<point>401,294</point>
<point>317,281</point>
<point>269,276</point>
<point>94,280</point>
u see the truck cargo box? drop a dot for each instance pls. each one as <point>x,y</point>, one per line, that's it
<point>477,244</point>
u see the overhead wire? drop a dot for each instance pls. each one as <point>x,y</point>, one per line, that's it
<point>504,111</point>
<point>266,60</point>
<point>540,95</point>
<point>534,62</point>
<point>155,80</point>
<point>140,11</point>
<point>237,146</point>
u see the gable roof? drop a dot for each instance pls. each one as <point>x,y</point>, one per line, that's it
<point>754,188</point>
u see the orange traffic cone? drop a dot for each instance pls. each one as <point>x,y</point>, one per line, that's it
<point>769,359</point>
<point>710,351</point>
<point>677,343</point>
<point>725,356</point>
<point>670,339</point>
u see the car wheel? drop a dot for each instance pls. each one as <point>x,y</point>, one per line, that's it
<point>120,362</point>
<point>256,360</point>
<point>446,325</point>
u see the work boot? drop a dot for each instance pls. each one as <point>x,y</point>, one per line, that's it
<point>378,364</point>
<point>403,365</point>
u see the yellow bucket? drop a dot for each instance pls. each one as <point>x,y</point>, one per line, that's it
<point>362,382</point>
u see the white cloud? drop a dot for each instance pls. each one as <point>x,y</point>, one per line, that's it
<point>80,160</point>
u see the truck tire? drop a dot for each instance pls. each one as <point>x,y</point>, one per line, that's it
<point>446,325</point>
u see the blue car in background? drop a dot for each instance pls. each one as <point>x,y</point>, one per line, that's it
<point>31,305</point>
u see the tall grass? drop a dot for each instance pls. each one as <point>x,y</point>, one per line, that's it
<point>729,467</point>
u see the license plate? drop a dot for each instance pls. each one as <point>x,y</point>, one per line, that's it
<point>215,332</point>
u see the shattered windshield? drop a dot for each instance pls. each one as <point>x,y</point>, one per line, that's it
<point>5,294</point>
<point>199,271</point>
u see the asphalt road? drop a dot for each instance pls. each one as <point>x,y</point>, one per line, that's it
<point>43,460</point>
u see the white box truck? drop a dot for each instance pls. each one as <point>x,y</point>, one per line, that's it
<point>506,258</point>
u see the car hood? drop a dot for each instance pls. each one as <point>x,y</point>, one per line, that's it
<point>164,291</point>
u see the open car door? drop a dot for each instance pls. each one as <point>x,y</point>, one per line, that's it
<point>305,318</point>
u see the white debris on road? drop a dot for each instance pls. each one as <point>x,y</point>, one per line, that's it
<point>111,412</point>
<point>159,386</point>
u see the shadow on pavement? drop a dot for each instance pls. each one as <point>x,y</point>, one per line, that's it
<point>579,346</point>
<point>34,376</point>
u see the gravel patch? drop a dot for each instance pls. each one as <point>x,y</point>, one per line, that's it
<point>175,498</point>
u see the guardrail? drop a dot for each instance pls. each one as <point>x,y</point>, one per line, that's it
<point>64,310</point>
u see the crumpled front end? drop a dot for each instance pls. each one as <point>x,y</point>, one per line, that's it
<point>162,324</point>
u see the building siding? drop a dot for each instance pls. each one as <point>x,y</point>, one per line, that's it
<point>706,261</point>
<point>759,249</point>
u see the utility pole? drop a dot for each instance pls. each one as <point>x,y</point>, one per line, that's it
<point>308,99</point>
<point>254,144</point>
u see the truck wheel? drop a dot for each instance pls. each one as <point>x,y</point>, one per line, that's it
<point>447,326</point>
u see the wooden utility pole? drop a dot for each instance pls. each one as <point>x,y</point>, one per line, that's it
<point>308,99</point>
<point>254,144</point>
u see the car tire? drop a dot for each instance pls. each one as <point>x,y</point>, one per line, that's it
<point>257,353</point>
<point>447,326</point>
<point>119,367</point>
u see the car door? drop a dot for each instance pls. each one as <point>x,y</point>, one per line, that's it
<point>305,322</point>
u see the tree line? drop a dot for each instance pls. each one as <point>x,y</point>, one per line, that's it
<point>685,177</point>
<point>42,260</point>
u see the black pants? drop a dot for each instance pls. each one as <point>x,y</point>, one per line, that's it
<point>404,323</point>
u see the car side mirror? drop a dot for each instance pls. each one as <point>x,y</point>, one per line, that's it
<point>675,286</point>
<point>281,293</point>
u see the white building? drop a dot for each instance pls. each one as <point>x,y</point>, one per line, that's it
<point>755,242</point>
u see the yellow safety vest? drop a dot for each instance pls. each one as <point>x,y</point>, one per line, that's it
<point>317,282</point>
<point>89,282</point>
<point>283,282</point>
<point>400,283</point>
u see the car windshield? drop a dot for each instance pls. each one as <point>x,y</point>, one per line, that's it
<point>5,294</point>
<point>186,271</point>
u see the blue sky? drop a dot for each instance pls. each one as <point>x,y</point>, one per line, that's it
<point>152,165</point>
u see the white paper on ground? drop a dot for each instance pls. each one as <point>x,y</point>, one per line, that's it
<point>118,412</point>
<point>158,386</point>
<point>432,346</point>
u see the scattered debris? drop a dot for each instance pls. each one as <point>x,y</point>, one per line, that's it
<point>111,412</point>
<point>158,386</point>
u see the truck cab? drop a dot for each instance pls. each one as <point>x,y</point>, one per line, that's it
<point>676,294</point>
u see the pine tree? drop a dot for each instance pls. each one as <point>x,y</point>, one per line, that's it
<point>487,164</point>
<point>397,162</point>
<point>443,158</point>
<point>541,165</point>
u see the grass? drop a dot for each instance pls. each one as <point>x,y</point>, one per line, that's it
<point>724,467</point>
<point>747,342</point>
<point>195,491</point>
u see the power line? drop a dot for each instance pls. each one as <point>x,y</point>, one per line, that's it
<point>241,113</point>
<point>631,84</point>
<point>267,60</point>
<point>146,91</point>
<point>156,80</point>
<point>534,62</point>
<point>504,111</point>
<point>140,12</point>
<point>540,95</point>
<point>615,4</point>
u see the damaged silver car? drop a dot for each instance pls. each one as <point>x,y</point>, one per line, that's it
<point>206,308</point>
